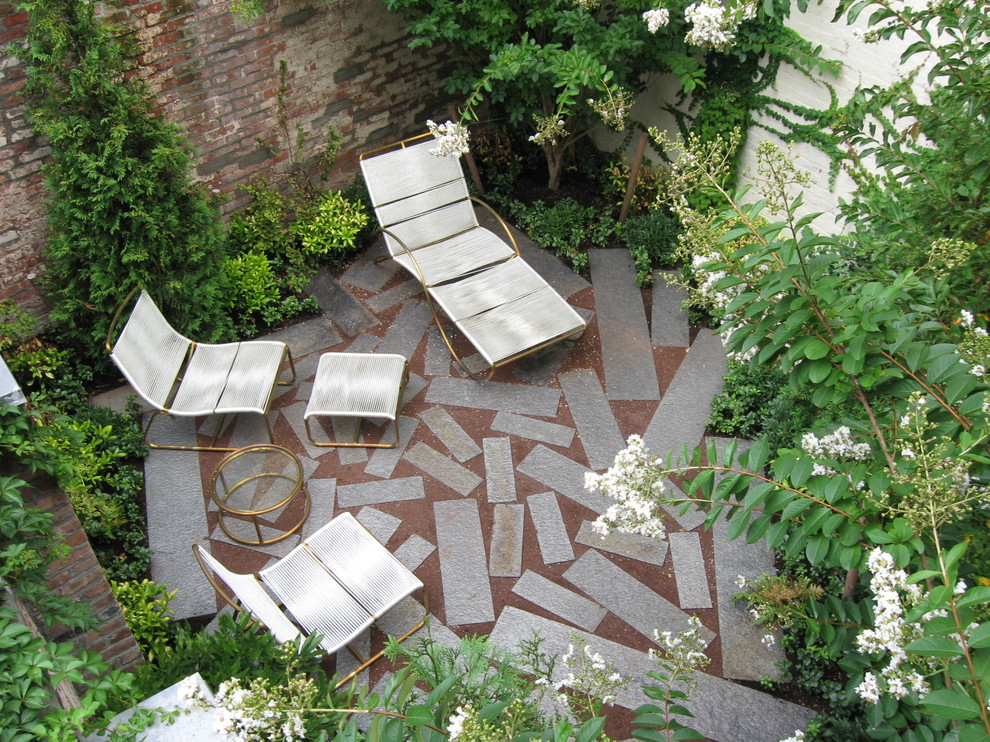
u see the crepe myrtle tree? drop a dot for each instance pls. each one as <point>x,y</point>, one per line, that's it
<point>563,66</point>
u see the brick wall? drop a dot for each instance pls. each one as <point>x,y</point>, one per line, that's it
<point>81,578</point>
<point>347,65</point>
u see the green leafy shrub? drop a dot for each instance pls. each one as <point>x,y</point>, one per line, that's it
<point>567,228</point>
<point>331,229</point>
<point>253,287</point>
<point>652,241</point>
<point>124,209</point>
<point>741,407</point>
<point>145,605</point>
<point>723,111</point>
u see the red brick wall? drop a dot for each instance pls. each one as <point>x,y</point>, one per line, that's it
<point>218,76</point>
<point>81,578</point>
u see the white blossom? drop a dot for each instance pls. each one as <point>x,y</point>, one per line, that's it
<point>452,138</point>
<point>455,725</point>
<point>656,19</point>
<point>798,736</point>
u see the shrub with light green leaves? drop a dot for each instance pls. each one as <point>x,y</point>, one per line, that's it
<point>332,228</point>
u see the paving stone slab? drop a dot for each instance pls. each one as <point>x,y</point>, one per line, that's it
<point>414,551</point>
<point>632,545</point>
<point>559,601</point>
<point>293,415</point>
<point>723,711</point>
<point>684,410</point>
<point>307,336</point>
<point>689,570</point>
<point>248,429</point>
<point>505,557</point>
<point>322,497</point>
<point>376,493</point>
<point>628,598</point>
<point>245,530</point>
<point>669,325</point>
<point>175,505</point>
<point>366,274</point>
<point>406,333</point>
<point>563,475</point>
<point>596,426</point>
<point>440,467</point>
<point>383,461</point>
<point>437,359</point>
<point>564,280</point>
<point>627,353</point>
<point>414,386</point>
<point>340,305</point>
<point>744,656</point>
<point>364,343</point>
<point>380,302</point>
<point>551,533</point>
<point>467,593</point>
<point>344,429</point>
<point>494,395</point>
<point>500,474</point>
<point>452,435</point>
<point>381,524</point>
<point>535,430</point>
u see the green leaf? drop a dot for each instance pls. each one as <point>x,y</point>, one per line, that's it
<point>590,729</point>
<point>935,646</point>
<point>816,549</point>
<point>979,638</point>
<point>974,596</point>
<point>951,703</point>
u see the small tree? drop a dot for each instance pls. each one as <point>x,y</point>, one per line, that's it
<point>124,210</point>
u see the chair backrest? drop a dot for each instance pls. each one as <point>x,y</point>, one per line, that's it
<point>369,571</point>
<point>250,593</point>
<point>418,198</point>
<point>150,353</point>
<point>315,599</point>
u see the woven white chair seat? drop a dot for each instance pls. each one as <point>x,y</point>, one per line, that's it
<point>177,376</point>
<point>316,600</point>
<point>500,304</point>
<point>356,385</point>
<point>373,575</point>
<point>334,584</point>
<point>252,597</point>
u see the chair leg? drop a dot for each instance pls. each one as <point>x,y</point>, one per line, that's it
<point>212,447</point>
<point>292,367</point>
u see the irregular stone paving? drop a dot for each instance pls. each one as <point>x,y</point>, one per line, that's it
<point>501,557</point>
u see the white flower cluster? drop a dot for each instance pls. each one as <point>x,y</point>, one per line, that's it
<point>797,737</point>
<point>550,130</point>
<point>974,347</point>
<point>718,299</point>
<point>455,725</point>
<point>892,595</point>
<point>686,646</point>
<point>253,714</point>
<point>656,19</point>
<point>836,445</point>
<point>634,482</point>
<point>713,26</point>
<point>452,138</point>
<point>590,676</point>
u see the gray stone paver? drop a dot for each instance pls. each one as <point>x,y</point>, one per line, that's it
<point>669,325</point>
<point>414,551</point>
<point>632,545</point>
<point>339,304</point>
<point>535,430</point>
<point>322,496</point>
<point>551,533</point>
<point>406,333</point>
<point>293,414</point>
<point>627,353</point>
<point>383,461</point>
<point>596,426</point>
<point>627,597</point>
<point>391,297</point>
<point>452,435</point>
<point>175,505</point>
<point>500,475</point>
<point>437,359</point>
<point>364,343</point>
<point>564,475</point>
<point>344,429</point>
<point>559,601</point>
<point>683,412</point>
<point>689,568</point>
<point>381,524</point>
<point>463,564</point>
<point>505,553</point>
<point>307,337</point>
<point>440,467</point>
<point>494,395</point>
<point>376,493</point>
<point>369,275</point>
<point>723,710</point>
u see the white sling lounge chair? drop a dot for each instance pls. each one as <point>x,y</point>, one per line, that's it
<point>502,306</point>
<point>335,584</point>
<point>180,377</point>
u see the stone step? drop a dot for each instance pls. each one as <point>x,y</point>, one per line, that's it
<point>467,595</point>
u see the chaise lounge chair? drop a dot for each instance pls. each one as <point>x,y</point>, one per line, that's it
<point>334,584</point>
<point>178,376</point>
<point>502,306</point>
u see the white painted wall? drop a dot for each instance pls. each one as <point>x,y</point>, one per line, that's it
<point>864,65</point>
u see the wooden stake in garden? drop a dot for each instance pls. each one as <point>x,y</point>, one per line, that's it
<point>633,176</point>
